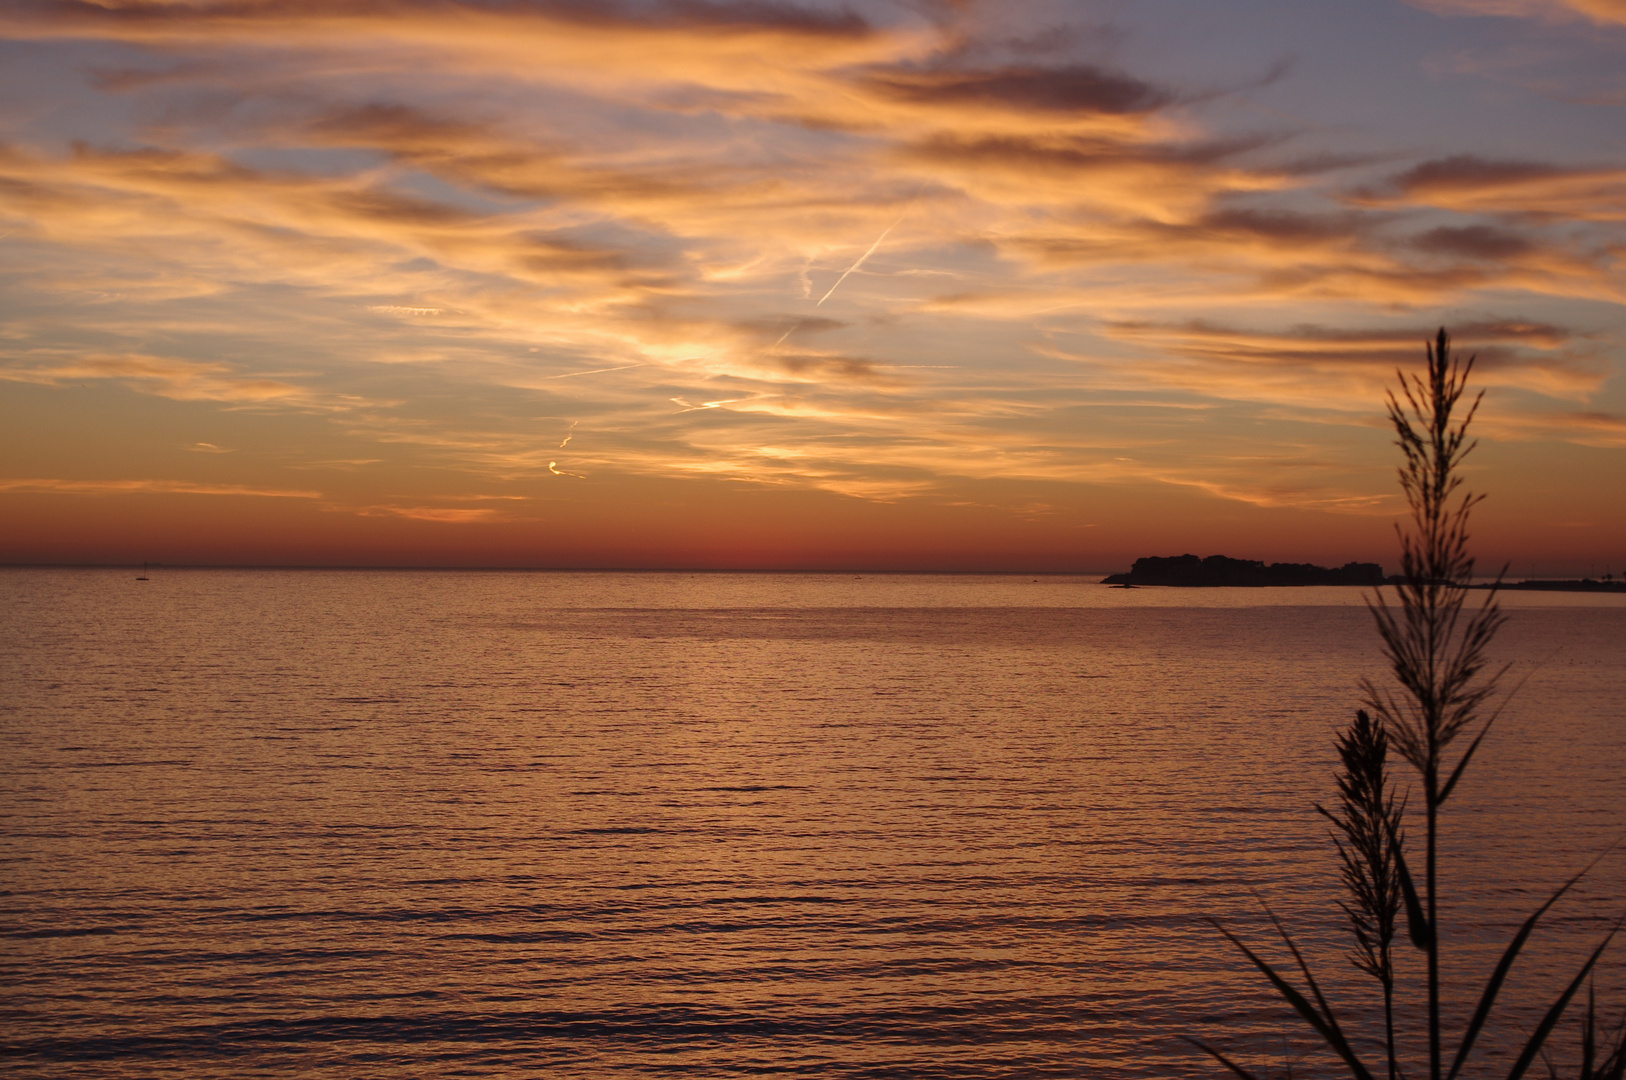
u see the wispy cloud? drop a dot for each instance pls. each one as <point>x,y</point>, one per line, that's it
<point>1604,12</point>
<point>50,486</point>
<point>1472,184</point>
<point>521,242</point>
<point>449,515</point>
<point>182,380</point>
<point>1298,366</point>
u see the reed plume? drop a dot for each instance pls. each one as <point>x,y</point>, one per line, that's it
<point>1437,656</point>
<point>1366,832</point>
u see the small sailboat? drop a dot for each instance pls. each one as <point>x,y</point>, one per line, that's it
<point>143,575</point>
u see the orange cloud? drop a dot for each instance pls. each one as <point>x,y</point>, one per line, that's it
<point>465,232</point>
<point>182,380</point>
<point>1304,366</point>
<point>147,487</point>
<point>1472,184</point>
<point>1584,428</point>
<point>1603,12</point>
<point>447,515</point>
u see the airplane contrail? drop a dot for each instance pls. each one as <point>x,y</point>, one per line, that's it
<point>859,263</point>
<point>595,371</point>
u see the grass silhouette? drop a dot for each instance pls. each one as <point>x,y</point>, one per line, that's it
<point>1444,691</point>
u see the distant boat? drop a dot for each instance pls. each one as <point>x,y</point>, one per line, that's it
<point>143,575</point>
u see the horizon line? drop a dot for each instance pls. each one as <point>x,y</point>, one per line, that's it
<point>461,568</point>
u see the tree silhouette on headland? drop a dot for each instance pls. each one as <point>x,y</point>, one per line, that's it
<point>1221,570</point>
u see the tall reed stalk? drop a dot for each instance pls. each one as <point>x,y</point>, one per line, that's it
<point>1444,690</point>
<point>1436,657</point>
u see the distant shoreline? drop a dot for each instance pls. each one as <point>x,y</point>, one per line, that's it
<point>1587,585</point>
<point>1222,571</point>
<point>1188,571</point>
<point>1572,585</point>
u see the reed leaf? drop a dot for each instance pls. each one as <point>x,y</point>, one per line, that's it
<point>1613,1065</point>
<point>1325,1025</point>
<point>1589,1032</point>
<point>1456,773</point>
<point>1304,968</point>
<point>1493,985</point>
<point>1417,927</point>
<point>1539,1036</point>
<point>1236,1069</point>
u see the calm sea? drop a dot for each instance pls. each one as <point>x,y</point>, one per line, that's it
<point>379,824</point>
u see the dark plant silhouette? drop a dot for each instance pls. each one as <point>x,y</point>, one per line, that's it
<point>1436,655</point>
<point>1444,689</point>
<point>1367,832</point>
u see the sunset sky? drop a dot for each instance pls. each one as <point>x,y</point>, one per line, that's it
<point>917,285</point>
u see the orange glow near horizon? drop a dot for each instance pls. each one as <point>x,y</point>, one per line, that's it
<point>881,285</point>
